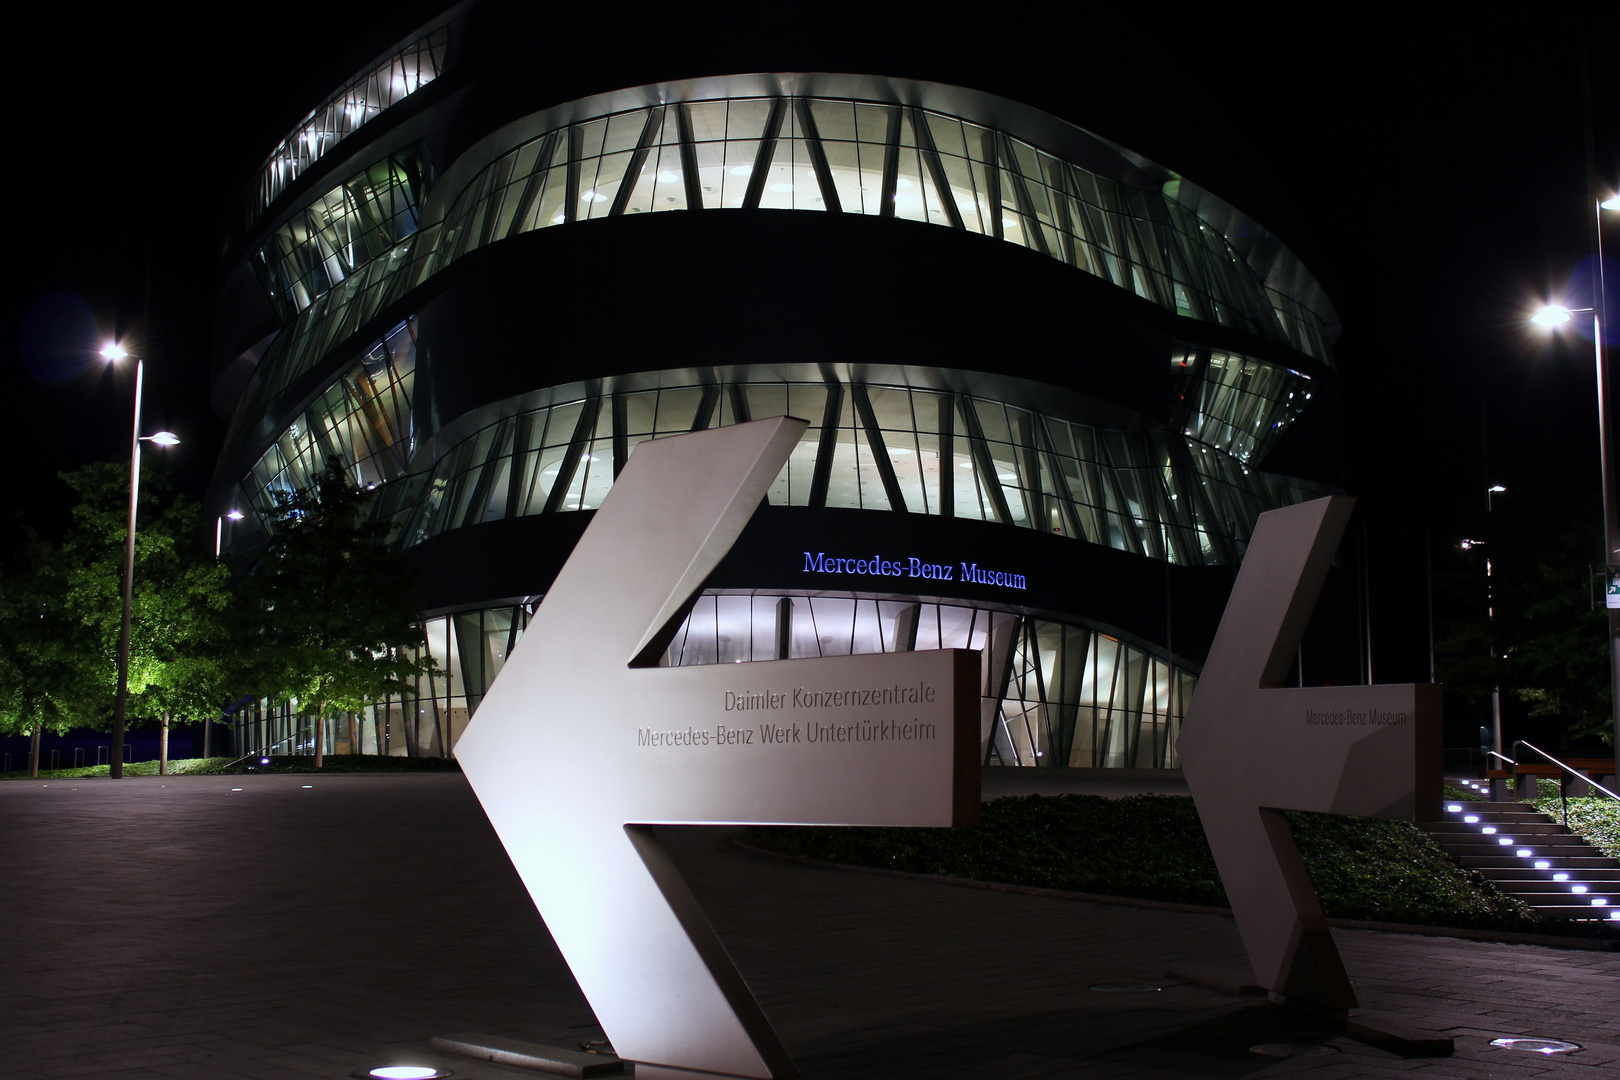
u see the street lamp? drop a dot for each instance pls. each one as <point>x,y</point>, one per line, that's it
<point>113,353</point>
<point>1553,317</point>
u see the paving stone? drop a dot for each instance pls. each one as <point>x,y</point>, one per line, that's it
<point>187,931</point>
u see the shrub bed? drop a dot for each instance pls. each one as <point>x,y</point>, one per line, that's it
<point>1153,847</point>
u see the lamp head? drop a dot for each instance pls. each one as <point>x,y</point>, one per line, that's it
<point>1611,203</point>
<point>234,515</point>
<point>165,438</point>
<point>113,352</point>
<point>1551,316</point>
<point>1497,489</point>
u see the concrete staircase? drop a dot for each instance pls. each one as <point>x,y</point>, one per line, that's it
<point>1531,857</point>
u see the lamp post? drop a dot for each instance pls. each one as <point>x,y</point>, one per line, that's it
<point>1553,317</point>
<point>113,353</point>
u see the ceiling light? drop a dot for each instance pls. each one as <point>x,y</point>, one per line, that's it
<point>668,177</point>
<point>902,183</point>
<point>781,189</point>
<point>742,170</point>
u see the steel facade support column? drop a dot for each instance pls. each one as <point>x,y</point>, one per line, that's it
<point>891,164</point>
<point>1026,203</point>
<point>571,196</point>
<point>936,169</point>
<point>765,154</point>
<point>621,438</point>
<point>638,161</point>
<point>822,476</point>
<point>584,427</point>
<point>880,455</point>
<point>985,464</point>
<point>947,455</point>
<point>706,406</point>
<point>531,187</point>
<point>992,181</point>
<point>818,156</point>
<point>689,162</point>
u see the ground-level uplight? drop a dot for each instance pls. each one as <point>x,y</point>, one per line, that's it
<point>1537,1046</point>
<point>404,1072</point>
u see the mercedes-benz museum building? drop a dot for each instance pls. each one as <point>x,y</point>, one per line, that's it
<point>1043,374</point>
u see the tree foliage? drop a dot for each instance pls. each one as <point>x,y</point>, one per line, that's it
<point>46,666</point>
<point>336,604</point>
<point>180,661</point>
<point>1549,644</point>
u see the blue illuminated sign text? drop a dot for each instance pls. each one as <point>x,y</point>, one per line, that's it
<point>911,567</point>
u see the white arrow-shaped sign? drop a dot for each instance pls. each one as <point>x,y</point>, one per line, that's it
<point>1251,747</point>
<point>583,742</point>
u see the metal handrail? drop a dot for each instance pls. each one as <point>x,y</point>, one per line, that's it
<point>264,751</point>
<point>1563,798</point>
<point>1568,769</point>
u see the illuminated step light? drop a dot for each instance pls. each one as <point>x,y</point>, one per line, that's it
<point>1524,853</point>
<point>1614,915</point>
<point>1600,901</point>
<point>1454,809</point>
<point>1560,877</point>
<point>1505,841</point>
<point>405,1072</point>
<point>1577,888</point>
<point>1489,830</point>
<point>1543,864</point>
<point>1471,818</point>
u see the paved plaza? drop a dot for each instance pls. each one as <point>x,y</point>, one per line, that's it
<point>287,926</point>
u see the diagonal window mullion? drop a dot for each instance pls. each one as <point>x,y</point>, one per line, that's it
<point>821,478</point>
<point>627,186</point>
<point>1026,204</point>
<point>880,455</point>
<point>583,428</point>
<point>891,163</point>
<point>936,168</point>
<point>765,154</point>
<point>818,156</point>
<point>690,180</point>
<point>990,482</point>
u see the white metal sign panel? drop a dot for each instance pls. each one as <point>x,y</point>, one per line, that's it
<point>1251,747</point>
<point>582,743</point>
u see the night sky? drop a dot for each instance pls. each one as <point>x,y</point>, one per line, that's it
<point>1431,174</point>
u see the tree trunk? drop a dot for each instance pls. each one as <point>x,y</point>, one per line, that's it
<point>208,723</point>
<point>33,753</point>
<point>320,734</point>
<point>354,734</point>
<point>163,746</point>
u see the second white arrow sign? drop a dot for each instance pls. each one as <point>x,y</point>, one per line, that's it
<point>583,742</point>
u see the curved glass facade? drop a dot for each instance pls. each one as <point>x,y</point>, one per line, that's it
<point>1092,440</point>
<point>362,421</point>
<point>880,160</point>
<point>815,154</point>
<point>869,447</point>
<point>388,82</point>
<point>1052,693</point>
<point>342,231</point>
